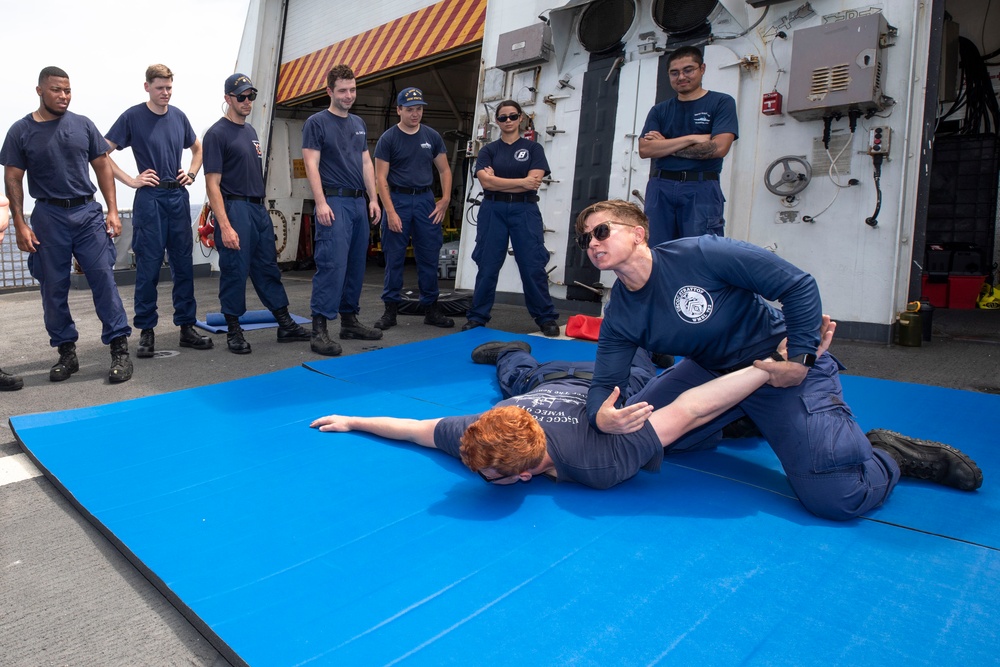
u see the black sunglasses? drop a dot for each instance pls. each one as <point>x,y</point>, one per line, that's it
<point>600,232</point>
<point>510,116</point>
<point>490,480</point>
<point>243,98</point>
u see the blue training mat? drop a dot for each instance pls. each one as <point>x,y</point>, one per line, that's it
<point>288,546</point>
<point>250,320</point>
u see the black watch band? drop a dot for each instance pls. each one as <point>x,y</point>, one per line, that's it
<point>804,359</point>
<point>192,175</point>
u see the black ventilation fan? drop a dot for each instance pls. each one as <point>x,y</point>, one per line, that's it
<point>604,24</point>
<point>678,17</point>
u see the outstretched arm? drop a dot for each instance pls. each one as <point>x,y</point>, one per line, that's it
<point>417,431</point>
<point>704,403</point>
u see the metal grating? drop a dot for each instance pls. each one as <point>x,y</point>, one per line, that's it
<point>826,80</point>
<point>13,263</point>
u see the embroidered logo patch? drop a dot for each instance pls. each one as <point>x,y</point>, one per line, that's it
<point>521,155</point>
<point>703,118</point>
<point>693,304</point>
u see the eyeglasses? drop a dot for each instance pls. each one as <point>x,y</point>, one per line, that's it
<point>687,71</point>
<point>243,98</point>
<point>599,232</point>
<point>510,116</point>
<point>490,480</point>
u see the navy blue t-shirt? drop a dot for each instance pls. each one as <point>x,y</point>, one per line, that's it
<point>410,156</point>
<point>341,143</point>
<point>713,113</point>
<point>580,454</point>
<point>233,150</point>
<point>55,154</point>
<point>157,141</point>
<point>705,300</point>
<point>512,160</point>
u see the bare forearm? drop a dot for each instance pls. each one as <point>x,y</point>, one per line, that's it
<point>106,181</point>
<point>15,193</point>
<point>702,151</point>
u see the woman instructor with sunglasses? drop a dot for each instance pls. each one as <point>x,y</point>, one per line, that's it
<point>510,170</point>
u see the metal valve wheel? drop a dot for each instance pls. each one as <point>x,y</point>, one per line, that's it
<point>795,176</point>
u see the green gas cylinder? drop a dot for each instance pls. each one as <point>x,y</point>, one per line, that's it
<point>909,328</point>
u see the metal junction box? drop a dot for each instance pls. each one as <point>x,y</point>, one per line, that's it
<point>524,47</point>
<point>838,67</point>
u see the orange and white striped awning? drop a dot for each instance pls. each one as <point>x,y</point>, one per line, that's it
<point>444,27</point>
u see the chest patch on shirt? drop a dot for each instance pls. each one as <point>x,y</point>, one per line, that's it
<point>703,118</point>
<point>521,155</point>
<point>693,304</point>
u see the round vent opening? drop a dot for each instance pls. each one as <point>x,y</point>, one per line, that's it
<point>604,24</point>
<point>680,16</point>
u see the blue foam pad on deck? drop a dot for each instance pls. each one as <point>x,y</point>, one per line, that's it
<point>250,320</point>
<point>286,545</point>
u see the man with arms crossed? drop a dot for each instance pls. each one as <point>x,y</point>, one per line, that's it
<point>687,137</point>
<point>161,210</point>
<point>56,148</point>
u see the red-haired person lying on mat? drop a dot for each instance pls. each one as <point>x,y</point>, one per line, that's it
<point>540,428</point>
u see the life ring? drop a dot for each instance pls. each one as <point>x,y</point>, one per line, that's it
<point>206,227</point>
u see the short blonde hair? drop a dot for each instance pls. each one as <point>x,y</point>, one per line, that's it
<point>158,72</point>
<point>626,212</point>
<point>507,439</point>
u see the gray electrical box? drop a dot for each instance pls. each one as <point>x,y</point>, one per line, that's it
<point>839,67</point>
<point>524,47</point>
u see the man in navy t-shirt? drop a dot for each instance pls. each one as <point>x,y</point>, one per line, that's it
<point>340,173</point>
<point>161,211</point>
<point>244,235</point>
<point>541,428</point>
<point>56,148</point>
<point>687,137</point>
<point>405,157</point>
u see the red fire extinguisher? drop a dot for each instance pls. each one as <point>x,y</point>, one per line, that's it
<point>530,133</point>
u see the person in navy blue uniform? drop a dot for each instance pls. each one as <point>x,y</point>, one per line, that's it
<point>341,174</point>
<point>687,137</point>
<point>8,381</point>
<point>161,211</point>
<point>540,426</point>
<point>511,170</point>
<point>244,235</point>
<point>57,148</point>
<point>706,298</point>
<point>405,156</point>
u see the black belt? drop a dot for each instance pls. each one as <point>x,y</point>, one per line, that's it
<point>409,191</point>
<point>169,185</point>
<point>68,203</point>
<point>559,375</point>
<point>686,175</point>
<point>251,200</point>
<point>342,192</point>
<point>500,196</point>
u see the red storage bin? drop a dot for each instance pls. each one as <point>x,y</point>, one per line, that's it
<point>936,293</point>
<point>963,291</point>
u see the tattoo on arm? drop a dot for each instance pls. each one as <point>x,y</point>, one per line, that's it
<point>704,151</point>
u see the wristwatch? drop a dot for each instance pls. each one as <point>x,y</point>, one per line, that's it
<point>808,360</point>
<point>192,175</point>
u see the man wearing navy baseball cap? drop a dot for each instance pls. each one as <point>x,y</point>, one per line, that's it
<point>405,157</point>
<point>244,236</point>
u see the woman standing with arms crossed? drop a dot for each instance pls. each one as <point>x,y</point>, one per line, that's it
<point>510,170</point>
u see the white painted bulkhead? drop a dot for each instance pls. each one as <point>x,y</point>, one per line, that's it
<point>863,272</point>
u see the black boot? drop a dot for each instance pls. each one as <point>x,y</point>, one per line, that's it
<point>320,342</point>
<point>191,338</point>
<point>350,328</point>
<point>67,364</point>
<point>488,353</point>
<point>10,382</point>
<point>121,364</point>
<point>388,318</point>
<point>288,330</point>
<point>147,344</point>
<point>234,339</point>
<point>927,459</point>
<point>434,317</point>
